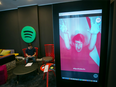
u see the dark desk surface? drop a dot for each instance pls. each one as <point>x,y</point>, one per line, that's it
<point>21,69</point>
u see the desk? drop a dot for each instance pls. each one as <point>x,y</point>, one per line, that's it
<point>21,69</point>
<point>42,69</point>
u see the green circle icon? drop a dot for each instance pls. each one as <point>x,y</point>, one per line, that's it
<point>28,34</point>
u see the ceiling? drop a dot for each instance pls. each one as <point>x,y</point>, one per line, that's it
<point>14,4</point>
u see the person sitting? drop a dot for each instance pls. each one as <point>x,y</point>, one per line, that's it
<point>30,53</point>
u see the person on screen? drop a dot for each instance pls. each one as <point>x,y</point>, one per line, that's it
<point>79,50</point>
<point>78,42</point>
<point>76,26</point>
<point>94,31</point>
<point>84,46</point>
<point>30,53</point>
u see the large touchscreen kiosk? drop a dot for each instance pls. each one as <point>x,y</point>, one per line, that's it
<point>80,41</point>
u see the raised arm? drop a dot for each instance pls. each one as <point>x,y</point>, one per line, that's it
<point>94,31</point>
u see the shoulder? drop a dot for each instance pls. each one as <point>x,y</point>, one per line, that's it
<point>26,49</point>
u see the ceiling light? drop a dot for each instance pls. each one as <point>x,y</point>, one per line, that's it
<point>0,3</point>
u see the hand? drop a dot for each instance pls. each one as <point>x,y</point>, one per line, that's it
<point>63,26</point>
<point>33,55</point>
<point>29,56</point>
<point>95,25</point>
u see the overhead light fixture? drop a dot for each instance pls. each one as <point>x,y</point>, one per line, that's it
<point>0,2</point>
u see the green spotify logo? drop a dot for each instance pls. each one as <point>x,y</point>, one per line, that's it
<point>28,34</point>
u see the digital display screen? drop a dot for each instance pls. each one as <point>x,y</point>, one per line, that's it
<point>80,43</point>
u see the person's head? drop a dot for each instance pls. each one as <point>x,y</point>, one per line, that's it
<point>29,46</point>
<point>78,41</point>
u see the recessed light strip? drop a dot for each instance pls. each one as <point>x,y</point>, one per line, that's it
<point>8,9</point>
<point>26,5</point>
<point>57,2</point>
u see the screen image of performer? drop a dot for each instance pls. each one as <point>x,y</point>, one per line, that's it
<point>80,40</point>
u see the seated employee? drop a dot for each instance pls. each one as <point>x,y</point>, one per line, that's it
<point>30,53</point>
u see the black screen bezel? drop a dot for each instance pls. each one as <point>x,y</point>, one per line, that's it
<point>81,6</point>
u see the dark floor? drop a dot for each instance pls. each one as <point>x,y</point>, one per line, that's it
<point>29,80</point>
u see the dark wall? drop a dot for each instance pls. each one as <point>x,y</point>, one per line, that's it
<point>112,64</point>
<point>28,16</point>
<point>9,32</point>
<point>46,27</point>
<point>12,22</point>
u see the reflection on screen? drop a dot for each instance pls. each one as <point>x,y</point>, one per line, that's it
<point>80,40</point>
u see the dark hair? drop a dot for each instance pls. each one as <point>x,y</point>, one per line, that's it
<point>29,44</point>
<point>78,37</point>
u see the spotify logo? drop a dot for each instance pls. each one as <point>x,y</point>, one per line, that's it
<point>28,34</point>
